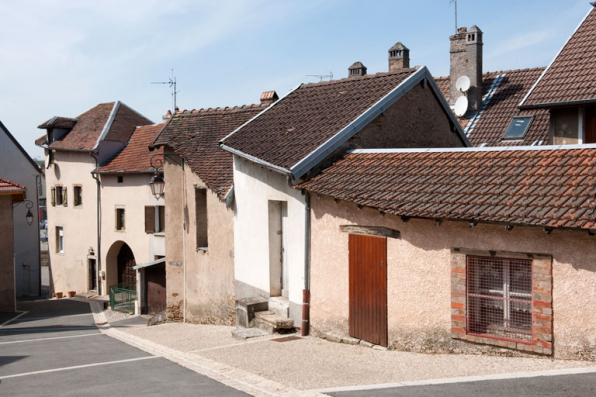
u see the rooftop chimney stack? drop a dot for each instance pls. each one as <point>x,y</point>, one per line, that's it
<point>357,69</point>
<point>466,60</point>
<point>399,57</point>
<point>268,97</point>
<point>167,116</point>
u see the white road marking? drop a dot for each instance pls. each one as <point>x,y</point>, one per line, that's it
<point>234,344</point>
<point>12,319</point>
<point>57,337</point>
<point>76,367</point>
<point>464,379</point>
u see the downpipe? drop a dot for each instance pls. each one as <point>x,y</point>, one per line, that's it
<point>98,259</point>
<point>305,329</point>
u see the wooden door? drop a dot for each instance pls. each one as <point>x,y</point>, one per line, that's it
<point>126,261</point>
<point>368,288</point>
<point>590,127</point>
<point>155,278</point>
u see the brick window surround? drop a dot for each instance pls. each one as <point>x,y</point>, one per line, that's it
<point>540,341</point>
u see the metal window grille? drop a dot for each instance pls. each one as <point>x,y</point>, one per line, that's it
<point>499,298</point>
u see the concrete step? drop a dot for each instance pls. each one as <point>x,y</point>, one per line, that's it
<point>272,322</point>
<point>280,305</point>
<point>246,333</point>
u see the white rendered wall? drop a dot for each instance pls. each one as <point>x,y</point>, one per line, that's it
<point>15,167</point>
<point>254,186</point>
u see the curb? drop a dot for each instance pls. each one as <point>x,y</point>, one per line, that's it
<point>233,377</point>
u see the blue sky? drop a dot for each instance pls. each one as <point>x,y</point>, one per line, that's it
<point>61,58</point>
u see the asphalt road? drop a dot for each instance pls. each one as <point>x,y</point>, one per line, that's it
<point>55,349</point>
<point>546,386</point>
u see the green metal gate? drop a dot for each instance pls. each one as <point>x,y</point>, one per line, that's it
<point>123,297</point>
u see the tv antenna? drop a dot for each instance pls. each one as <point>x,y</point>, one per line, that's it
<point>454,2</point>
<point>322,76</point>
<point>172,83</point>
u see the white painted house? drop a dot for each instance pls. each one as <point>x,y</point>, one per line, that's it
<point>292,140</point>
<point>17,166</point>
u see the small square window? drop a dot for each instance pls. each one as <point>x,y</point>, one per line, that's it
<point>120,179</point>
<point>78,195</point>
<point>119,218</point>
<point>518,127</point>
<point>59,196</point>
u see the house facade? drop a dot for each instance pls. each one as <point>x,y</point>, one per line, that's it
<point>200,250</point>
<point>467,251</point>
<point>10,194</point>
<point>294,139</point>
<point>74,149</point>
<point>17,166</point>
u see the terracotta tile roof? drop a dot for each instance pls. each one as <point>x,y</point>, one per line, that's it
<point>195,136</point>
<point>58,122</point>
<point>136,156</point>
<point>543,187</point>
<point>310,115</point>
<point>14,189</point>
<point>572,75</point>
<point>42,140</point>
<point>90,125</point>
<point>498,110</point>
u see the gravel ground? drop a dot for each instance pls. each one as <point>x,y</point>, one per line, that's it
<point>115,315</point>
<point>313,363</point>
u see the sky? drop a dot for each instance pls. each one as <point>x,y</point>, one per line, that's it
<point>60,58</point>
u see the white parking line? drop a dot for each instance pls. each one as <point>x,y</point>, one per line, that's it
<point>234,344</point>
<point>12,319</point>
<point>57,337</point>
<point>76,367</point>
<point>464,379</point>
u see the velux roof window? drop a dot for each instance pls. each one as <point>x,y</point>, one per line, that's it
<point>518,127</point>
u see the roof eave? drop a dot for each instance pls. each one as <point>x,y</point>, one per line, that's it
<point>265,164</point>
<point>558,104</point>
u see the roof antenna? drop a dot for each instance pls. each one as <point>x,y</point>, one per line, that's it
<point>322,76</point>
<point>452,2</point>
<point>172,82</point>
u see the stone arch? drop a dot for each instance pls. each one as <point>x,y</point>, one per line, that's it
<point>119,262</point>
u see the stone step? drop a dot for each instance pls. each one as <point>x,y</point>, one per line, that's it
<point>272,322</point>
<point>280,305</point>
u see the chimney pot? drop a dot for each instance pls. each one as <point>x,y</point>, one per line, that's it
<point>399,57</point>
<point>357,69</point>
<point>268,97</point>
<point>167,116</point>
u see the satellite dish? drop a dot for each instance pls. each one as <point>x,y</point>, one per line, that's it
<point>463,84</point>
<point>461,106</point>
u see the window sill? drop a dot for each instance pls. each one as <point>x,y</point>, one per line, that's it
<point>203,249</point>
<point>159,234</point>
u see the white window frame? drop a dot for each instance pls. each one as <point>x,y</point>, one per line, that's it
<point>59,239</point>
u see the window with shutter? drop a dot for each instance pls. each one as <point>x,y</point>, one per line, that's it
<point>64,202</point>
<point>53,196</point>
<point>149,219</point>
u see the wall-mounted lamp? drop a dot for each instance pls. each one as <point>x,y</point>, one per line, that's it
<point>157,183</point>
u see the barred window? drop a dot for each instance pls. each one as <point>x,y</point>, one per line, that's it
<point>499,296</point>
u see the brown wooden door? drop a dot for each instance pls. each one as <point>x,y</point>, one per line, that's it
<point>155,277</point>
<point>126,261</point>
<point>590,125</point>
<point>368,288</point>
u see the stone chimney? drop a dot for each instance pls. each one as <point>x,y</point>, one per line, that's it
<point>399,57</point>
<point>466,60</point>
<point>167,116</point>
<point>268,97</point>
<point>357,69</point>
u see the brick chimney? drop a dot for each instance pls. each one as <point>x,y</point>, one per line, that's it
<point>268,97</point>
<point>466,60</point>
<point>357,69</point>
<point>167,116</point>
<point>399,57</point>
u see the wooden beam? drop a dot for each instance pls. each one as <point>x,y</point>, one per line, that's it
<point>370,231</point>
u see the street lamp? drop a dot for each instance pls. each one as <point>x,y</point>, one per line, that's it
<point>157,183</point>
<point>29,216</point>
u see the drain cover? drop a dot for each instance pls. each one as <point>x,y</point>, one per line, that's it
<point>286,339</point>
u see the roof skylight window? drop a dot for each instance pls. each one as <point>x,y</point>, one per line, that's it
<point>518,127</point>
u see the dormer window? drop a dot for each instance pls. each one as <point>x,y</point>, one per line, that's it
<point>518,127</point>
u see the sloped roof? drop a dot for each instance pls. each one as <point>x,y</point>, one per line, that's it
<point>58,122</point>
<point>195,135</point>
<point>552,187</point>
<point>136,156</point>
<point>314,118</point>
<point>502,91</point>
<point>14,189</point>
<point>111,121</point>
<point>571,77</point>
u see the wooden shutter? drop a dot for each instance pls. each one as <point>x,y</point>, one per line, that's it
<point>149,219</point>
<point>53,196</point>
<point>64,202</point>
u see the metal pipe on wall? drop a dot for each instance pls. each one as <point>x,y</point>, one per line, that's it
<point>306,292</point>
